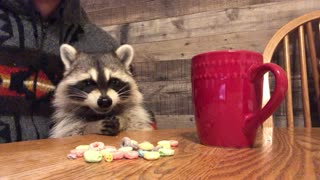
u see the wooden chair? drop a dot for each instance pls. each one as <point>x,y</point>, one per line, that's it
<point>282,36</point>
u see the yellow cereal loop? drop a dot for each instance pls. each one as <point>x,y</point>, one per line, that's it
<point>146,146</point>
<point>165,144</point>
<point>108,157</point>
<point>151,155</point>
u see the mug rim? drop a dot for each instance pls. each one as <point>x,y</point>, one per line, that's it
<point>227,51</point>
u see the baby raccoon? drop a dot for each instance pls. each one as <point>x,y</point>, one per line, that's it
<point>97,95</point>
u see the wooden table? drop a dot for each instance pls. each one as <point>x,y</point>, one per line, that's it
<point>277,153</point>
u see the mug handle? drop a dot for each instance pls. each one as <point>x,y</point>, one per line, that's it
<point>254,120</point>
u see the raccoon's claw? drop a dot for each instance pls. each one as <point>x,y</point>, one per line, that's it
<point>111,127</point>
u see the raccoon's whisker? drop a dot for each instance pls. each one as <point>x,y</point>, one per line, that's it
<point>124,92</point>
<point>77,96</point>
<point>122,88</point>
<point>77,91</point>
<point>76,109</point>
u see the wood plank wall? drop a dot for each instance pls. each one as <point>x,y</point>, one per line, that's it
<point>167,33</point>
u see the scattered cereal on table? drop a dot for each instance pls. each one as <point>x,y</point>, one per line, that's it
<point>129,149</point>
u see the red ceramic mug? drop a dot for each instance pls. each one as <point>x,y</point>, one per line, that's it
<point>227,96</point>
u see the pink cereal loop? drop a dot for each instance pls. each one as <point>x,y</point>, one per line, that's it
<point>174,143</point>
<point>78,152</point>
<point>117,155</point>
<point>131,155</point>
<point>98,146</point>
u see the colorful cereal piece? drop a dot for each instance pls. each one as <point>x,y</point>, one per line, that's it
<point>72,156</point>
<point>104,152</point>
<point>78,152</point>
<point>157,148</point>
<point>165,144</point>
<point>141,152</point>
<point>92,156</point>
<point>134,144</point>
<point>117,155</point>
<point>125,149</point>
<point>83,147</point>
<point>174,143</point>
<point>108,157</point>
<point>98,146</point>
<point>126,142</point>
<point>131,155</point>
<point>110,149</point>
<point>166,152</point>
<point>146,146</point>
<point>151,155</point>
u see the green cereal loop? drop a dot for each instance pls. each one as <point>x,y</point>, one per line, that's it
<point>92,156</point>
<point>166,152</point>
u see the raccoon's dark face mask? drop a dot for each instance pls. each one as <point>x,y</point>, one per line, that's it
<point>98,81</point>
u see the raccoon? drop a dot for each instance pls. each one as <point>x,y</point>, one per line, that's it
<point>98,94</point>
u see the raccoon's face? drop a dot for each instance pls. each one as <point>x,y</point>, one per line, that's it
<point>100,82</point>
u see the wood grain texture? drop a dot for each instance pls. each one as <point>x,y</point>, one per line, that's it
<point>175,121</point>
<point>314,61</point>
<point>186,48</point>
<point>304,78</point>
<point>270,50</point>
<point>287,67</point>
<point>247,18</point>
<point>277,154</point>
<point>121,11</point>
<point>168,98</point>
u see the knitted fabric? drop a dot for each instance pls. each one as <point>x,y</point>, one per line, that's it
<point>30,66</point>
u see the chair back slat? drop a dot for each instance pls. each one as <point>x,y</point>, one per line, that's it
<point>304,78</point>
<point>287,66</point>
<point>310,21</point>
<point>314,62</point>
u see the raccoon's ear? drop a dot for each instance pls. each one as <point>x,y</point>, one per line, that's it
<point>68,55</point>
<point>125,53</point>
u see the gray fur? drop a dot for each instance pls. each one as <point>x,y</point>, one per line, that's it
<point>129,113</point>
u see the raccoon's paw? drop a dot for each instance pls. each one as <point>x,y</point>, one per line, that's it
<point>110,127</point>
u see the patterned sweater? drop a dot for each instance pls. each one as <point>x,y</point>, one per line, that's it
<point>30,66</point>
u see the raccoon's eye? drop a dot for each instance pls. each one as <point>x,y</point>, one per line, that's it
<point>89,82</point>
<point>114,81</point>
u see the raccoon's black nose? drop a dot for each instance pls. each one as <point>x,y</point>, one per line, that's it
<point>104,102</point>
